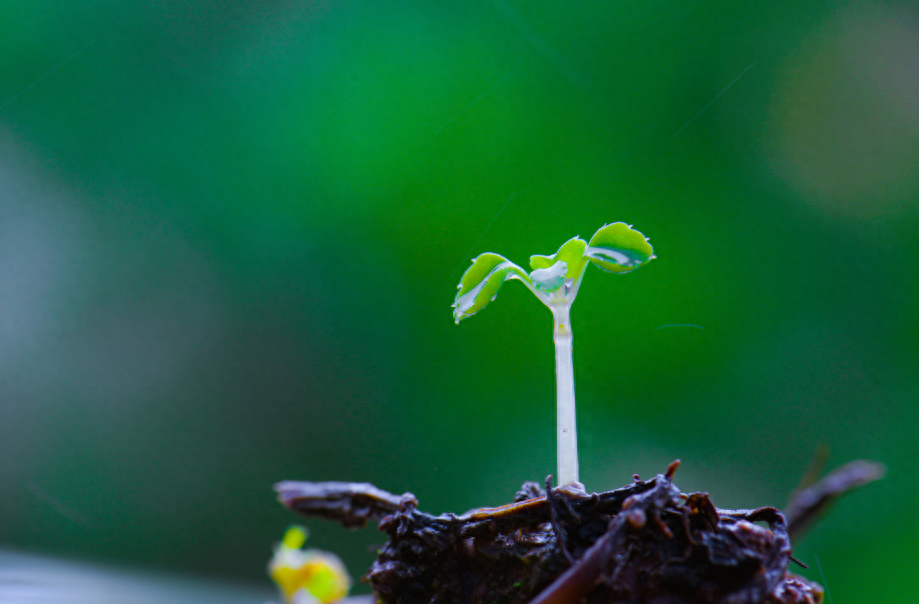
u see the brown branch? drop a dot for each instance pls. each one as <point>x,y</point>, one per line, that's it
<point>350,503</point>
<point>809,503</point>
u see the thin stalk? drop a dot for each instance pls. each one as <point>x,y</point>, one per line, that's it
<point>564,384</point>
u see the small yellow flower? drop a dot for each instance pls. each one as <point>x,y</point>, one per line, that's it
<point>307,576</point>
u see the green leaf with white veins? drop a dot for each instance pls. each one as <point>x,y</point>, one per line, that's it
<point>551,278</point>
<point>619,248</point>
<point>571,253</point>
<point>481,282</point>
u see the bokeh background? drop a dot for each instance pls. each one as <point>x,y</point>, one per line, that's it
<point>230,233</point>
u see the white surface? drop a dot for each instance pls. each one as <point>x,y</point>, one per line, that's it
<point>31,579</point>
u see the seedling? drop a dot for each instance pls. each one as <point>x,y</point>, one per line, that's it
<point>549,546</point>
<point>555,280</point>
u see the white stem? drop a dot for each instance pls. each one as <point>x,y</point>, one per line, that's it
<point>564,383</point>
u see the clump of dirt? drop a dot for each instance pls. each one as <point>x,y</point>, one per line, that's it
<point>646,542</point>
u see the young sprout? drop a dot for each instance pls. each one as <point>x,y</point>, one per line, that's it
<point>307,576</point>
<point>555,280</point>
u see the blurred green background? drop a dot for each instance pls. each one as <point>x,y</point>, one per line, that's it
<point>230,234</point>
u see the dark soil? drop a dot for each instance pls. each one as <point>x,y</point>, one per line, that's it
<point>644,543</point>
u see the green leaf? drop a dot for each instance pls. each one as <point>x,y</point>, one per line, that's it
<point>550,279</point>
<point>619,248</point>
<point>571,253</point>
<point>481,282</point>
